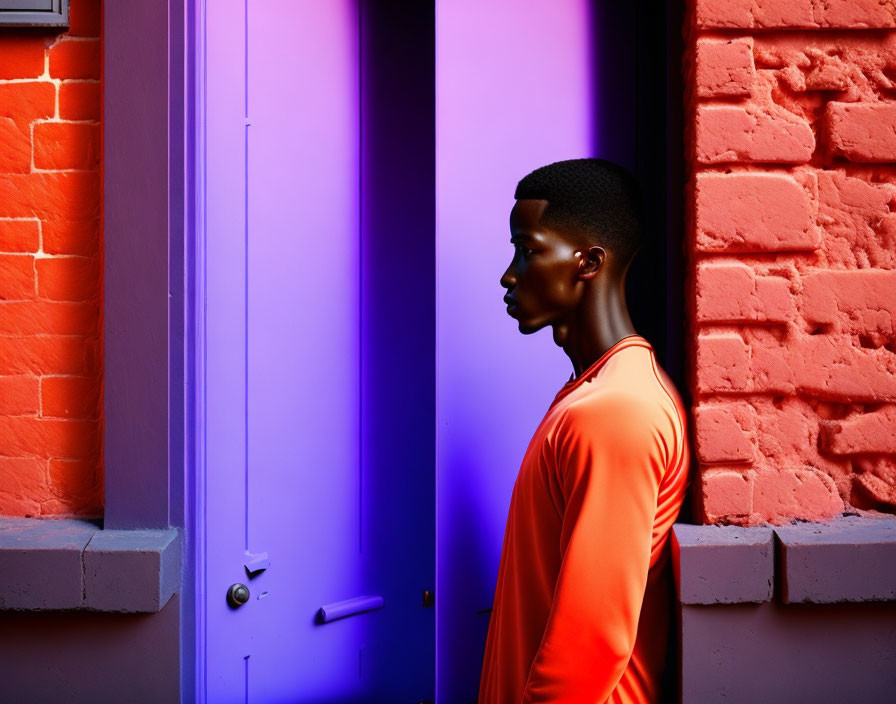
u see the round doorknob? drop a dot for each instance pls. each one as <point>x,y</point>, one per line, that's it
<point>237,595</point>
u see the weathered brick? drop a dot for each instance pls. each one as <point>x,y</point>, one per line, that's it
<point>746,14</point>
<point>23,436</point>
<point>723,363</point>
<point>771,362</point>
<point>855,14</point>
<point>724,67</point>
<point>787,428</point>
<point>868,432</point>
<point>49,318</point>
<point>780,495</point>
<point>79,237</point>
<point>75,58</point>
<point>24,103</point>
<point>70,397</point>
<point>801,67</point>
<point>75,479</point>
<point>19,235</point>
<point>842,196</point>
<point>80,100</point>
<point>19,395</point>
<point>829,367</point>
<point>753,212</point>
<point>68,278</point>
<point>16,277</point>
<point>21,56</point>
<point>71,196</point>
<point>854,63</point>
<point>863,132</point>
<point>859,230</point>
<point>776,303</point>
<point>874,482</point>
<point>15,154</point>
<point>24,485</point>
<point>724,432</point>
<point>733,292</point>
<point>826,366</point>
<point>726,494</point>
<point>74,507</point>
<point>857,301</point>
<point>751,134</point>
<point>793,14</point>
<point>44,354</point>
<point>66,145</point>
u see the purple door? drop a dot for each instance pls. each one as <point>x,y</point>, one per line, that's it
<point>293,502</point>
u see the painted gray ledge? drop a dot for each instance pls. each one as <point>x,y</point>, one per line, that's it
<point>722,564</point>
<point>847,559</point>
<point>50,564</point>
<point>40,563</point>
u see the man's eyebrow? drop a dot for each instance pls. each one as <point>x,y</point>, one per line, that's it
<point>522,236</point>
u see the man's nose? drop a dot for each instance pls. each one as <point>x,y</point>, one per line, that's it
<point>508,279</point>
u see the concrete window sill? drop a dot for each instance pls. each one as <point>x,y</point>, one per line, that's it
<point>846,559</point>
<point>49,564</point>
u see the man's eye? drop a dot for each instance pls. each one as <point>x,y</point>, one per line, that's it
<point>526,252</point>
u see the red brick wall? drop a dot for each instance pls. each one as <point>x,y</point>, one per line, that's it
<point>791,143</point>
<point>51,263</point>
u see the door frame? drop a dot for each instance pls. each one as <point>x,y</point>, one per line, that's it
<point>194,660</point>
<point>154,114</point>
<point>153,261</point>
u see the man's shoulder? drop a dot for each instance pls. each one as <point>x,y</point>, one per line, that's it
<point>615,401</point>
<point>613,413</point>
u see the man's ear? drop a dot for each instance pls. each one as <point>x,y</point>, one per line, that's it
<point>590,261</point>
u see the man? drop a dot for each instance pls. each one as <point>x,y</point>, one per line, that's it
<point>582,607</point>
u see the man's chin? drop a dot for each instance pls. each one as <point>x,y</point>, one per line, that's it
<point>528,328</point>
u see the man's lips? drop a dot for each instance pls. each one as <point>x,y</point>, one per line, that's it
<point>511,304</point>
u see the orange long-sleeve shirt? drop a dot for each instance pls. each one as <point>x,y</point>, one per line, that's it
<point>581,609</point>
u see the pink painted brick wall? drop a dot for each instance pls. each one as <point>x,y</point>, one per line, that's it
<point>791,150</point>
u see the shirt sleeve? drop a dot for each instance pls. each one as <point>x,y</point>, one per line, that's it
<point>609,466</point>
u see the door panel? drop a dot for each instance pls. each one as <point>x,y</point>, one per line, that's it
<point>303,341</point>
<point>227,633</point>
<point>283,163</point>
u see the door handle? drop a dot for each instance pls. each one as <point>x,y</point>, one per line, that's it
<point>237,595</point>
<point>349,607</point>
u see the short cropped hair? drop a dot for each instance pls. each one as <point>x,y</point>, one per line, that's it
<point>594,198</point>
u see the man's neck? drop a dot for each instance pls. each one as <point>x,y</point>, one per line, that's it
<point>594,328</point>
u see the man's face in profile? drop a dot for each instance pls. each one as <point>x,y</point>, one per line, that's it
<point>541,281</point>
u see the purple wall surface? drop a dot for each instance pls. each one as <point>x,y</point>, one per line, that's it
<point>513,92</point>
<point>85,656</point>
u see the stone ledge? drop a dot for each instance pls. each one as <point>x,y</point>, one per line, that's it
<point>849,558</point>
<point>722,564</point>
<point>846,559</point>
<point>50,564</point>
<point>40,562</point>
